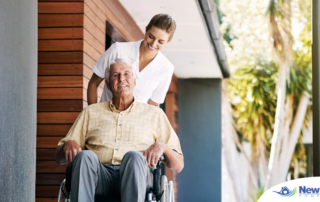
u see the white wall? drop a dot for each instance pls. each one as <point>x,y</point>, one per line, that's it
<point>18,94</point>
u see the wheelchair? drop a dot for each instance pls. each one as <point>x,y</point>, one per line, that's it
<point>162,190</point>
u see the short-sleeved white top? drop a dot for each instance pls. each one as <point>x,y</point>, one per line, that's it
<point>152,82</point>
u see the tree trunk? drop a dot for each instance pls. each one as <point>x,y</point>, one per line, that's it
<point>278,127</point>
<point>229,151</point>
<point>285,57</point>
<point>288,114</point>
<point>236,191</point>
<point>291,142</point>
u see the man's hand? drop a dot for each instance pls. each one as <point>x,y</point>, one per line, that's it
<point>153,153</point>
<point>71,149</point>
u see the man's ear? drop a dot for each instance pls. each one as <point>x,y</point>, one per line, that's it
<point>108,85</point>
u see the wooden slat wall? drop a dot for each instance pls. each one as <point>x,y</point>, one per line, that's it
<point>61,87</point>
<point>94,29</point>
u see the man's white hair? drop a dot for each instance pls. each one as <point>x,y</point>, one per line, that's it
<point>118,60</point>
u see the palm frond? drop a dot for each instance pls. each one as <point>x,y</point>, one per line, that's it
<point>274,14</point>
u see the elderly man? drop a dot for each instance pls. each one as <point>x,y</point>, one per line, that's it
<point>124,140</point>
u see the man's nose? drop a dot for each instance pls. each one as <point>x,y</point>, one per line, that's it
<point>121,77</point>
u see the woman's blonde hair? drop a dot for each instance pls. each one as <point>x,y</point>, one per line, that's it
<point>164,22</point>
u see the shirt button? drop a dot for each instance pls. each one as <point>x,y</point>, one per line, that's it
<point>118,138</point>
<point>121,114</point>
<point>119,124</point>
<point>114,161</point>
<point>116,149</point>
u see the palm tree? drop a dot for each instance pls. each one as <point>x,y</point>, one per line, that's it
<point>251,92</point>
<point>253,100</point>
<point>288,123</point>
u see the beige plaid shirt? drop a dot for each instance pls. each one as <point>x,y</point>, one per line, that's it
<point>110,133</point>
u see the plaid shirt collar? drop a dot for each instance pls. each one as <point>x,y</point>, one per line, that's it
<point>126,111</point>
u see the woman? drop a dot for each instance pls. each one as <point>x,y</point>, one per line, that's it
<point>153,69</point>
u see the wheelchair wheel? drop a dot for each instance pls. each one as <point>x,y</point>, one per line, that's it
<point>168,194</point>
<point>63,193</point>
<point>170,197</point>
<point>163,187</point>
<point>60,196</point>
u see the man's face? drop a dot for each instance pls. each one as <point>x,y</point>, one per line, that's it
<point>121,80</point>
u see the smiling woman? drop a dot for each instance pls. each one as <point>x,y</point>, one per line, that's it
<point>153,70</point>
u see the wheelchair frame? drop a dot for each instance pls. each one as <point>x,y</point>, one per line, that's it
<point>162,191</point>
<point>168,194</point>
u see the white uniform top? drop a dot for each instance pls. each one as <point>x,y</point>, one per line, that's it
<point>152,82</point>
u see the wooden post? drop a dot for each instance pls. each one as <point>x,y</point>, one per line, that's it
<point>316,85</point>
<point>171,109</point>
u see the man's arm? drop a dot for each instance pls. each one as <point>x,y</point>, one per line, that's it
<point>66,153</point>
<point>174,160</point>
<point>92,89</point>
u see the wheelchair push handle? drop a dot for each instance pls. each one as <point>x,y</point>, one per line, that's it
<point>162,158</point>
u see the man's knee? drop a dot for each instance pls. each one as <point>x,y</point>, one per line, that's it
<point>133,155</point>
<point>86,156</point>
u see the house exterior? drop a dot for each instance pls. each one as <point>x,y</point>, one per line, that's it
<point>71,38</point>
<point>46,62</point>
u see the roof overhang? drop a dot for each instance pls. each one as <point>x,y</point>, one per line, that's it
<point>196,49</point>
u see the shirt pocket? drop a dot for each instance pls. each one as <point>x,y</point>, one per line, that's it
<point>141,137</point>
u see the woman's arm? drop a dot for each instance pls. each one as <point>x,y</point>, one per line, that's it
<point>159,94</point>
<point>150,102</point>
<point>93,85</point>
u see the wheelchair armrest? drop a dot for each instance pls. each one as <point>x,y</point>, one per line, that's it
<point>157,179</point>
<point>162,158</point>
<point>68,178</point>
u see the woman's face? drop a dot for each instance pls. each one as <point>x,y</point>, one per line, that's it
<point>155,39</point>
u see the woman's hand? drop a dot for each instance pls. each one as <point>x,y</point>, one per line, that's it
<point>150,102</point>
<point>153,153</point>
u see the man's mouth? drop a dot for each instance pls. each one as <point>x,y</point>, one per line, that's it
<point>121,86</point>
